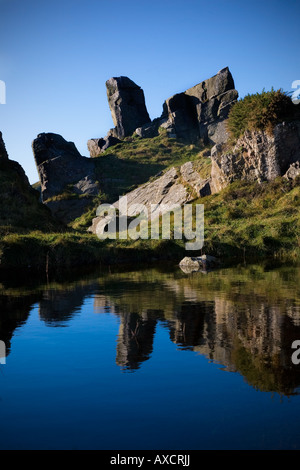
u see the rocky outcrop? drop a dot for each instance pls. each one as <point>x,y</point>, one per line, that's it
<point>175,187</point>
<point>127,105</point>
<point>3,152</point>
<point>62,170</point>
<point>199,113</point>
<point>257,156</point>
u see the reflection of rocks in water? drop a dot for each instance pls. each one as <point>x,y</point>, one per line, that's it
<point>135,339</point>
<point>187,329</point>
<point>252,339</point>
<point>244,319</point>
<point>59,306</point>
<point>102,303</point>
<point>240,322</point>
<point>14,313</point>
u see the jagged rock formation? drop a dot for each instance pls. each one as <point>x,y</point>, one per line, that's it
<point>62,170</point>
<point>199,113</point>
<point>176,186</point>
<point>257,156</point>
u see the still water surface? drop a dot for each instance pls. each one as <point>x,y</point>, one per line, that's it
<point>152,359</point>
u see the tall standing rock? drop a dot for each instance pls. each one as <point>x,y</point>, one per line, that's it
<point>127,105</point>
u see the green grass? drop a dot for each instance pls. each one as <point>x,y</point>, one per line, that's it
<point>124,166</point>
<point>254,220</point>
<point>243,222</point>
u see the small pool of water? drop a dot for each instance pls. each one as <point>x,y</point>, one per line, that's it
<point>152,359</point>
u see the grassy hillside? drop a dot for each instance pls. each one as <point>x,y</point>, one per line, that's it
<point>254,220</point>
<point>243,222</point>
<point>20,209</point>
<point>135,161</point>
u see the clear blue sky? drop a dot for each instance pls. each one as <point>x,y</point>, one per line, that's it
<point>56,55</point>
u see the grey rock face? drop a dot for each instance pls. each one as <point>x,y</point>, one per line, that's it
<point>98,146</point>
<point>169,189</point>
<point>200,112</point>
<point>3,152</point>
<point>127,105</point>
<point>257,156</point>
<point>200,186</point>
<point>60,167</point>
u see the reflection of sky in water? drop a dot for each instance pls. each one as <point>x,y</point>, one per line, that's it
<point>142,362</point>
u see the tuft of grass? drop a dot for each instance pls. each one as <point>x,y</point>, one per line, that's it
<point>260,111</point>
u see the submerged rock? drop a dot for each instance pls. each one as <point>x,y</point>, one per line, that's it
<point>198,263</point>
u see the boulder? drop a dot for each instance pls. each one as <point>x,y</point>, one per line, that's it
<point>257,156</point>
<point>127,105</point>
<point>98,146</point>
<point>293,171</point>
<point>63,171</point>
<point>198,263</point>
